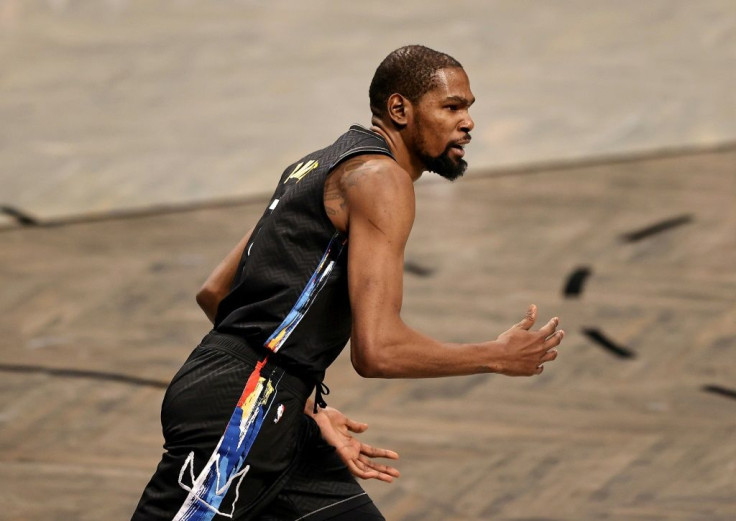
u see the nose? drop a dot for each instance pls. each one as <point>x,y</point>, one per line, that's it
<point>467,124</point>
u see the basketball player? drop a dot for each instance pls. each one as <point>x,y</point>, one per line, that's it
<point>324,264</point>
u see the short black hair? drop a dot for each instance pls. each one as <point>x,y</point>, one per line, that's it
<point>409,71</point>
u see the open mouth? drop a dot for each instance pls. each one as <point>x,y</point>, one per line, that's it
<point>459,145</point>
<point>460,149</point>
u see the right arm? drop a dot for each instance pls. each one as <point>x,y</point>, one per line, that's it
<point>380,203</point>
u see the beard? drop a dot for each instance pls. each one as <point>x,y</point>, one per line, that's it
<point>444,165</point>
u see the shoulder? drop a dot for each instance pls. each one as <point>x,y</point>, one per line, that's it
<point>375,179</point>
<point>378,193</point>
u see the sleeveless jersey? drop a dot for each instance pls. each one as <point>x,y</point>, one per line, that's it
<point>290,291</point>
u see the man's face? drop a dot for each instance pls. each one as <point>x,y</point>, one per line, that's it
<point>442,124</point>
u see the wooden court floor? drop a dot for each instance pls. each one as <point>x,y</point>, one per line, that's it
<point>636,420</point>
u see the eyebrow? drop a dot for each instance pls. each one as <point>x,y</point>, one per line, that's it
<point>460,99</point>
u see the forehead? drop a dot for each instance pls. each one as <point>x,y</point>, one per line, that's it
<point>451,82</point>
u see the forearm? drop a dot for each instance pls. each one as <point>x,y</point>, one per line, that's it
<point>398,351</point>
<point>402,352</point>
<point>219,281</point>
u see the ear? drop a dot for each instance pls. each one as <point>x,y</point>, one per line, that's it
<point>399,109</point>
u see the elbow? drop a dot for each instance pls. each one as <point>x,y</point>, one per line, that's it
<point>208,299</point>
<point>203,297</point>
<point>368,362</point>
<point>366,370</point>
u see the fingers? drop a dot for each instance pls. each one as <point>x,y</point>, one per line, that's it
<point>528,321</point>
<point>359,460</point>
<point>373,474</point>
<point>358,469</point>
<point>364,468</point>
<point>375,452</point>
<point>550,326</point>
<point>549,356</point>
<point>385,472</point>
<point>554,339</point>
<point>551,353</point>
<point>354,426</point>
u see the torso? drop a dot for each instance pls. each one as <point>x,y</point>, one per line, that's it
<point>290,293</point>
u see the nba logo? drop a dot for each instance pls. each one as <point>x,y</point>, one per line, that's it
<point>279,412</point>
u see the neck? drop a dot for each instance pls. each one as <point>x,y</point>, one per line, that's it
<point>395,139</point>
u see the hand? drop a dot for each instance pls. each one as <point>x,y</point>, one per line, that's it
<point>336,428</point>
<point>525,351</point>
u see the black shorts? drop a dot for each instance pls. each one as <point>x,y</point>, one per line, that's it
<point>238,445</point>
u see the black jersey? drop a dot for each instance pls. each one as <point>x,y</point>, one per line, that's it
<point>290,291</point>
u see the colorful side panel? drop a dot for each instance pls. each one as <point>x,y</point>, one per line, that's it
<point>308,295</point>
<point>225,465</point>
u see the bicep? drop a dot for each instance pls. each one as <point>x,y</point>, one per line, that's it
<point>375,271</point>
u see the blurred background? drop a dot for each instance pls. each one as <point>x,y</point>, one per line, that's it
<point>140,140</point>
